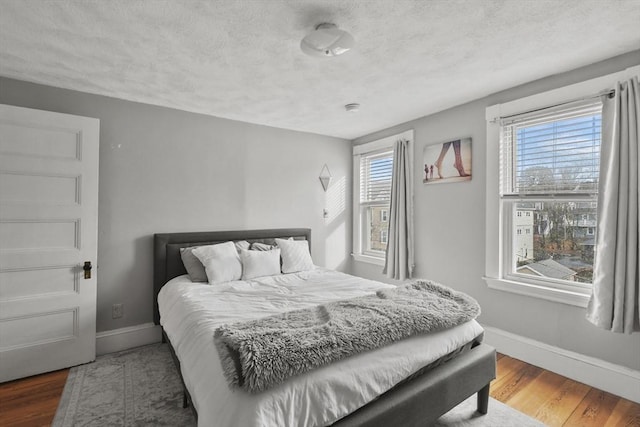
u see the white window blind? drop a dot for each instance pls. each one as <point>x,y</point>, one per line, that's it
<point>375,176</point>
<point>553,152</point>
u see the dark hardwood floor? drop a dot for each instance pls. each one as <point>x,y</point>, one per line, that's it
<point>548,397</point>
<point>31,402</point>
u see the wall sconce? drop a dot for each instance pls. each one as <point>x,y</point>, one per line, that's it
<point>325,177</point>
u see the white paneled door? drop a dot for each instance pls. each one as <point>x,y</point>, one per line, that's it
<point>48,231</point>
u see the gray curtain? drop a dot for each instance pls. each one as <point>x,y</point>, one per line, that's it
<point>399,256</point>
<point>616,294</point>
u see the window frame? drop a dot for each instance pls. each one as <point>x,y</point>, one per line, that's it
<point>513,198</point>
<point>499,214</point>
<point>360,250</point>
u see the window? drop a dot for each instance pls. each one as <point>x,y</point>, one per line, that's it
<point>373,168</point>
<point>543,158</point>
<point>375,195</point>
<point>550,164</point>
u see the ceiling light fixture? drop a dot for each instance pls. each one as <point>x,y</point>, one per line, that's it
<point>327,40</point>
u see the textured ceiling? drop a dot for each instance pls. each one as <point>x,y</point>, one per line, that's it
<point>241,59</point>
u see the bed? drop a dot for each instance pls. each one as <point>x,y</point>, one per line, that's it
<point>427,392</point>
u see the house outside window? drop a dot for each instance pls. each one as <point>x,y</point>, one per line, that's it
<point>373,168</point>
<point>543,158</point>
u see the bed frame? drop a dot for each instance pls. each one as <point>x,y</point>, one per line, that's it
<point>417,401</point>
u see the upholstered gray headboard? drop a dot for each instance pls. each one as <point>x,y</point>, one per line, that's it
<point>167,262</point>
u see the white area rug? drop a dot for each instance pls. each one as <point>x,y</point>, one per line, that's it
<point>499,415</point>
<point>138,387</point>
<point>141,387</point>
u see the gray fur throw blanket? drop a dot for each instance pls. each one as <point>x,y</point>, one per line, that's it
<point>261,353</point>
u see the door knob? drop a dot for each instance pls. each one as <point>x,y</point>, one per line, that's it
<point>87,269</point>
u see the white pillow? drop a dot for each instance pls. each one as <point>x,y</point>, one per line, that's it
<point>260,263</point>
<point>221,262</point>
<point>295,255</point>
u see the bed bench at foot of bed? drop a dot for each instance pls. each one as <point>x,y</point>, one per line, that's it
<point>423,400</point>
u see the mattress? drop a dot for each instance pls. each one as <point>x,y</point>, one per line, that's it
<point>190,312</point>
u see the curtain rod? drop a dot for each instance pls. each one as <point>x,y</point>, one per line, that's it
<point>608,93</point>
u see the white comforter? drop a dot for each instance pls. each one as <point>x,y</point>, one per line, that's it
<point>190,312</point>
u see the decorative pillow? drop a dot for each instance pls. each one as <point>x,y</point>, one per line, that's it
<point>295,255</point>
<point>192,264</point>
<point>257,246</point>
<point>260,263</point>
<point>221,262</point>
<point>242,244</point>
<point>194,267</point>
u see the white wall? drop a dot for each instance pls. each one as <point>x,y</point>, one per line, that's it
<point>450,234</point>
<point>164,170</point>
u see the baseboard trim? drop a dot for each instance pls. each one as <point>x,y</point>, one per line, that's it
<point>126,338</point>
<point>612,378</point>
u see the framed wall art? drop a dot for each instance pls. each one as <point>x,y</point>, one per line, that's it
<point>447,162</point>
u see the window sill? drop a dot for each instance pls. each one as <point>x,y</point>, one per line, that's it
<point>550,294</point>
<point>369,259</point>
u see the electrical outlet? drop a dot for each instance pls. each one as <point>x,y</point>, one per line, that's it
<point>117,311</point>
